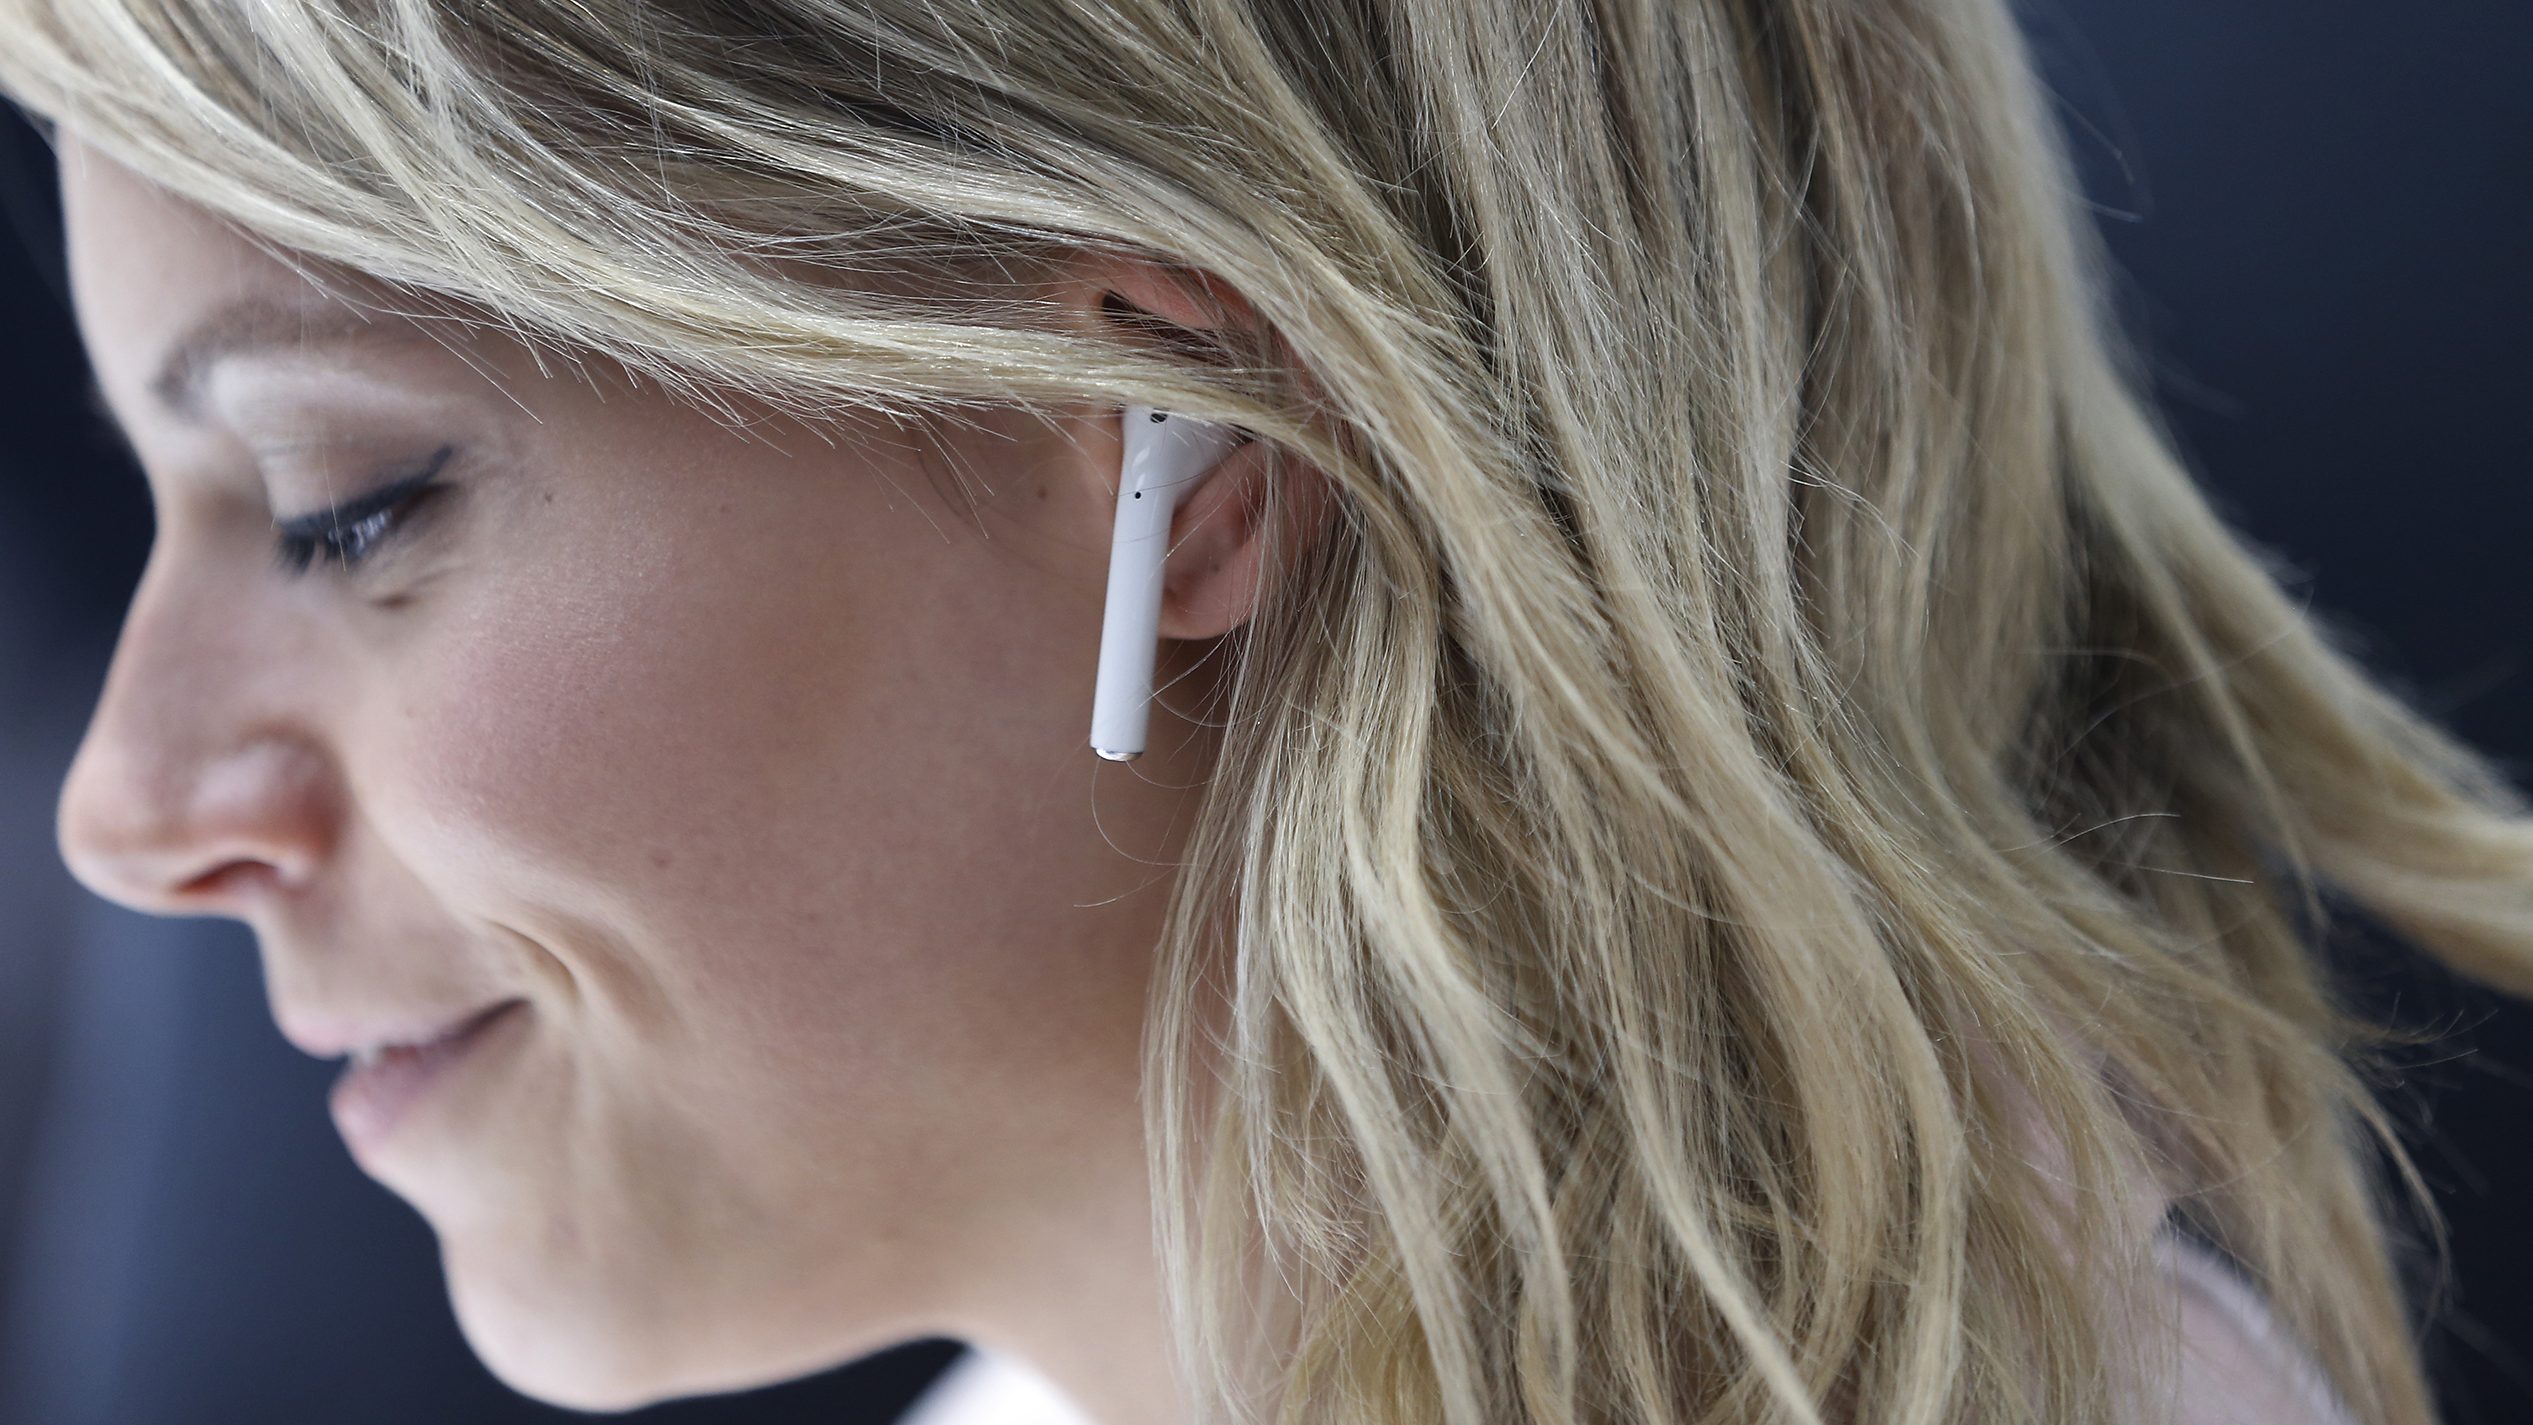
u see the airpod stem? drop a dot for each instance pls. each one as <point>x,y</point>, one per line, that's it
<point>1164,456</point>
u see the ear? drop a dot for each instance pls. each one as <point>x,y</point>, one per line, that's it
<point>1225,552</point>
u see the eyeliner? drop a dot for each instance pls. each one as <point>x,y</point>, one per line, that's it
<point>361,507</point>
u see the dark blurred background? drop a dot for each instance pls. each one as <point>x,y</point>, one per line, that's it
<point>2321,211</point>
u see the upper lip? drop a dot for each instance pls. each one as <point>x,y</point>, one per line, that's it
<point>327,1036</point>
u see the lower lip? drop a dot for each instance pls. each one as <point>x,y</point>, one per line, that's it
<point>368,1102</point>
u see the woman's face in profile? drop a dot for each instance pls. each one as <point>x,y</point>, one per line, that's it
<point>748,769</point>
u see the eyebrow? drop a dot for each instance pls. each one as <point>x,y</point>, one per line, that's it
<point>262,324</point>
<point>250,324</point>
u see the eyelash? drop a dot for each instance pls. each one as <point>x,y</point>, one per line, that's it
<point>347,534</point>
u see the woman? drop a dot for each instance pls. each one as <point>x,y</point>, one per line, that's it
<point>1727,836</point>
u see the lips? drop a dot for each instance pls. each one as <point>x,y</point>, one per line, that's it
<point>378,1090</point>
<point>370,1053</point>
<point>366,1037</point>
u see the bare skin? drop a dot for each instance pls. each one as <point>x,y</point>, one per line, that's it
<point>755,768</point>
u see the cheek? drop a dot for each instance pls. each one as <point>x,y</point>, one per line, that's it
<point>856,936</point>
<point>821,799</point>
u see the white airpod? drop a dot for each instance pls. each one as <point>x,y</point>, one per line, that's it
<point>1165,457</point>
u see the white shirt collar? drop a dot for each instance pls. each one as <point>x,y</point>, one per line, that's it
<point>985,1388</point>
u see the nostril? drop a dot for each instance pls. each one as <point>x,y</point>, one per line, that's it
<point>230,879</point>
<point>194,822</point>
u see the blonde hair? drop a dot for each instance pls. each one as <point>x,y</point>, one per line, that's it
<point>1775,795</point>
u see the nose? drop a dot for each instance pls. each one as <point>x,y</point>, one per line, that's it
<point>197,789</point>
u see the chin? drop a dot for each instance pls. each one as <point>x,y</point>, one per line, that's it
<point>557,1369</point>
<point>575,1355</point>
<point>603,1354</point>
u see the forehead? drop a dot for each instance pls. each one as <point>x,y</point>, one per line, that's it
<point>161,284</point>
<point>144,261</point>
<point>163,288</point>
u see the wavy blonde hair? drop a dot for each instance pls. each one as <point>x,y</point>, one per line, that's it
<point>1774,735</point>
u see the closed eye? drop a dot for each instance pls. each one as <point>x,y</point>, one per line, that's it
<point>350,532</point>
